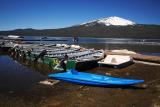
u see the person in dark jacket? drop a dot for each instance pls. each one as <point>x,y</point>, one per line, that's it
<point>63,62</point>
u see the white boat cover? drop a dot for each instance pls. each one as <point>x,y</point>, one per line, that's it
<point>115,60</point>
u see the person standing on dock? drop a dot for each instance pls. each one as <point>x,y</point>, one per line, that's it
<point>75,39</point>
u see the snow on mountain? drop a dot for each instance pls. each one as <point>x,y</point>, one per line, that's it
<point>115,21</point>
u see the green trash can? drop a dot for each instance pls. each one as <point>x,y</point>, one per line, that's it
<point>71,64</point>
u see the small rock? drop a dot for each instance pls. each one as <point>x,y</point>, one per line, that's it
<point>79,95</point>
<point>49,82</point>
<point>91,99</point>
<point>11,92</point>
<point>127,73</point>
<point>56,104</point>
<point>158,87</point>
<point>107,73</point>
<point>86,89</point>
<point>144,85</point>
<point>133,105</point>
<point>156,105</point>
<point>81,87</point>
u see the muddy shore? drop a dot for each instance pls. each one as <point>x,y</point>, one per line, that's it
<point>19,87</point>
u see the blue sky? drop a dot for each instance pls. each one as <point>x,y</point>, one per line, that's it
<point>49,14</point>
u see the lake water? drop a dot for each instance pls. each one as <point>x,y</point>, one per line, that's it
<point>144,46</point>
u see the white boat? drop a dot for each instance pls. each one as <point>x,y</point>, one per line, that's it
<point>116,60</point>
<point>13,36</point>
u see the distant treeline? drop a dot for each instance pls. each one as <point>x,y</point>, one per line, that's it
<point>135,31</point>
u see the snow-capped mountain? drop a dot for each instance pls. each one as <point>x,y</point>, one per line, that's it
<point>111,27</point>
<point>115,21</point>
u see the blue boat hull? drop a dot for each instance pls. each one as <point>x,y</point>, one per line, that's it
<point>93,79</point>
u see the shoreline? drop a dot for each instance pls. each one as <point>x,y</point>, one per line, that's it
<point>38,95</point>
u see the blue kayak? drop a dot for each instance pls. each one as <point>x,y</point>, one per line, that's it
<point>92,79</point>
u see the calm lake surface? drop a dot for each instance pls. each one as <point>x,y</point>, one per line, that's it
<point>144,46</point>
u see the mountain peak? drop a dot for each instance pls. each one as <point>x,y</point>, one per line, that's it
<point>114,20</point>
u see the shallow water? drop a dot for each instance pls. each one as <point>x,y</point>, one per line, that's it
<point>16,77</point>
